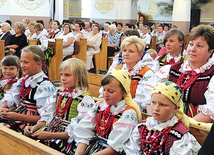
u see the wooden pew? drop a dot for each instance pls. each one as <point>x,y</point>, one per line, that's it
<point>101,58</point>
<point>94,84</point>
<point>15,143</point>
<point>2,54</point>
<point>32,42</point>
<point>153,43</point>
<point>80,47</point>
<point>56,60</point>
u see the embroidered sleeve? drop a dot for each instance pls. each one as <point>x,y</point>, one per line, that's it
<point>114,63</point>
<point>143,91</point>
<point>12,95</point>
<point>85,129</point>
<point>208,109</point>
<point>45,101</point>
<point>122,130</point>
<point>188,145</point>
<point>83,107</point>
<point>147,60</point>
<point>132,146</point>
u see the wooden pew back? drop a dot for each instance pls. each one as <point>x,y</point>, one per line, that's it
<point>94,84</point>
<point>56,60</point>
<point>101,58</point>
<point>80,47</point>
<point>2,54</point>
<point>153,43</point>
<point>14,143</point>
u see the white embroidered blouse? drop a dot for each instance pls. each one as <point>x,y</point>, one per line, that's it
<point>187,145</point>
<point>43,95</point>
<point>122,128</point>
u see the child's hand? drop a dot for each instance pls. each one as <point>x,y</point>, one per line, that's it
<point>11,116</point>
<point>4,110</point>
<point>28,130</point>
<point>41,135</point>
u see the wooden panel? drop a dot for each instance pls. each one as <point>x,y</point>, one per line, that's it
<point>32,42</point>
<point>2,54</point>
<point>14,143</point>
<point>56,60</point>
<point>94,83</point>
<point>83,48</point>
<point>101,58</point>
<point>153,43</point>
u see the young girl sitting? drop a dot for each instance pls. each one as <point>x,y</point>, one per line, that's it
<point>111,119</point>
<point>72,101</point>
<point>166,131</point>
<point>31,94</point>
<point>10,72</point>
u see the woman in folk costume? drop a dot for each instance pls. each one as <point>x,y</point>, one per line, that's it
<point>72,101</point>
<point>166,132</point>
<point>112,119</point>
<point>195,75</point>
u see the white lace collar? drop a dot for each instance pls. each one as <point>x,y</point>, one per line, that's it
<point>33,80</point>
<point>176,58</point>
<point>186,67</point>
<point>115,109</point>
<point>152,124</point>
<point>136,69</point>
<point>76,92</point>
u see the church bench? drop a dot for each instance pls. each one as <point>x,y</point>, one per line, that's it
<point>94,84</point>
<point>80,48</point>
<point>2,54</point>
<point>14,143</point>
<point>153,43</point>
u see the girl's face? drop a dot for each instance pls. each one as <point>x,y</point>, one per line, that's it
<point>67,78</point>
<point>131,55</point>
<point>77,27</point>
<point>55,26</point>
<point>112,92</point>
<point>29,66</point>
<point>9,72</point>
<point>198,51</point>
<point>173,45</point>
<point>162,109</point>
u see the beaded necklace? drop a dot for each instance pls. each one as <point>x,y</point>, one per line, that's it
<point>62,107</point>
<point>191,77</point>
<point>24,91</point>
<point>150,143</point>
<point>104,122</point>
<point>8,82</point>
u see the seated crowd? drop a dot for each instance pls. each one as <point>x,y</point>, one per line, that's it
<point>172,85</point>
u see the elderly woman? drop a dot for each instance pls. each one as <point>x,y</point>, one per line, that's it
<point>174,45</point>
<point>6,35</point>
<point>113,40</point>
<point>132,52</point>
<point>68,40</point>
<point>146,58</point>
<point>18,40</point>
<point>195,76</point>
<point>93,46</point>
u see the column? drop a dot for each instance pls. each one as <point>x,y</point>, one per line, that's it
<point>181,14</point>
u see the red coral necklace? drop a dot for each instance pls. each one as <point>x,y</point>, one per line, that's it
<point>61,107</point>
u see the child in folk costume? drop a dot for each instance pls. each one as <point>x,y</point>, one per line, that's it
<point>72,101</point>
<point>10,71</point>
<point>31,94</point>
<point>111,119</point>
<point>166,131</point>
